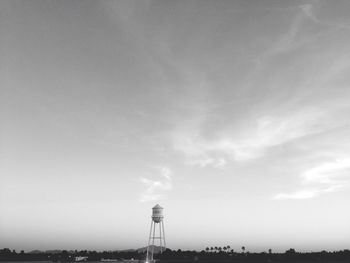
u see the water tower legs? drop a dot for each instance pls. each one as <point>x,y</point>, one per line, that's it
<point>153,237</point>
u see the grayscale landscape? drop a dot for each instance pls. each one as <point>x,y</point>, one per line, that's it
<point>175,131</point>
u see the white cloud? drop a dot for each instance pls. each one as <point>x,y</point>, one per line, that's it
<point>308,10</point>
<point>165,172</point>
<point>327,173</point>
<point>324,178</point>
<point>155,188</point>
<point>267,131</point>
<point>305,194</point>
<point>289,39</point>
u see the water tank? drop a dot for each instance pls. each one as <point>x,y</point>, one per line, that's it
<point>157,213</point>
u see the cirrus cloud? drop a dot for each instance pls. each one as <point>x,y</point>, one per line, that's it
<point>155,188</point>
<point>324,178</point>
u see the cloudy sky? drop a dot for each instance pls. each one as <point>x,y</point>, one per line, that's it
<point>233,115</point>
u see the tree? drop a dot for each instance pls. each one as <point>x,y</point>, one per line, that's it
<point>291,251</point>
<point>270,251</point>
<point>207,249</point>
<point>243,249</point>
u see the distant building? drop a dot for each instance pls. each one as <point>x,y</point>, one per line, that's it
<point>80,258</point>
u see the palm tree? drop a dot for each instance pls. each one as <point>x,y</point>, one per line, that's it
<point>207,249</point>
<point>243,249</point>
<point>270,250</point>
<point>224,248</point>
<point>216,248</point>
<point>228,248</point>
<point>211,249</point>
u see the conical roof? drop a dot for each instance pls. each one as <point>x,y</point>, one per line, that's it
<point>157,206</point>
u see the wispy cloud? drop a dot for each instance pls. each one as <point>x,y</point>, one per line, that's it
<point>308,10</point>
<point>324,178</point>
<point>251,143</point>
<point>288,39</point>
<point>155,188</point>
<point>305,194</point>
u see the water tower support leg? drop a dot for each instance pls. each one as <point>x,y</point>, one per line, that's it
<point>163,234</point>
<point>154,235</point>
<point>160,237</point>
<point>149,241</point>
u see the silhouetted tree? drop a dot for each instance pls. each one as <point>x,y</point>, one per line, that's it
<point>243,249</point>
<point>290,251</point>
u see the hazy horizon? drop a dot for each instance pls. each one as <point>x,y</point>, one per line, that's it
<point>232,115</point>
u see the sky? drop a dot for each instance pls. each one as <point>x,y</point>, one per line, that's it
<point>232,115</point>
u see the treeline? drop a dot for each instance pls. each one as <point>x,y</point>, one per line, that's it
<point>180,256</point>
<point>66,256</point>
<point>229,255</point>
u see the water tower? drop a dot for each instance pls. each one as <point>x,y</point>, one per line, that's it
<point>157,220</point>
